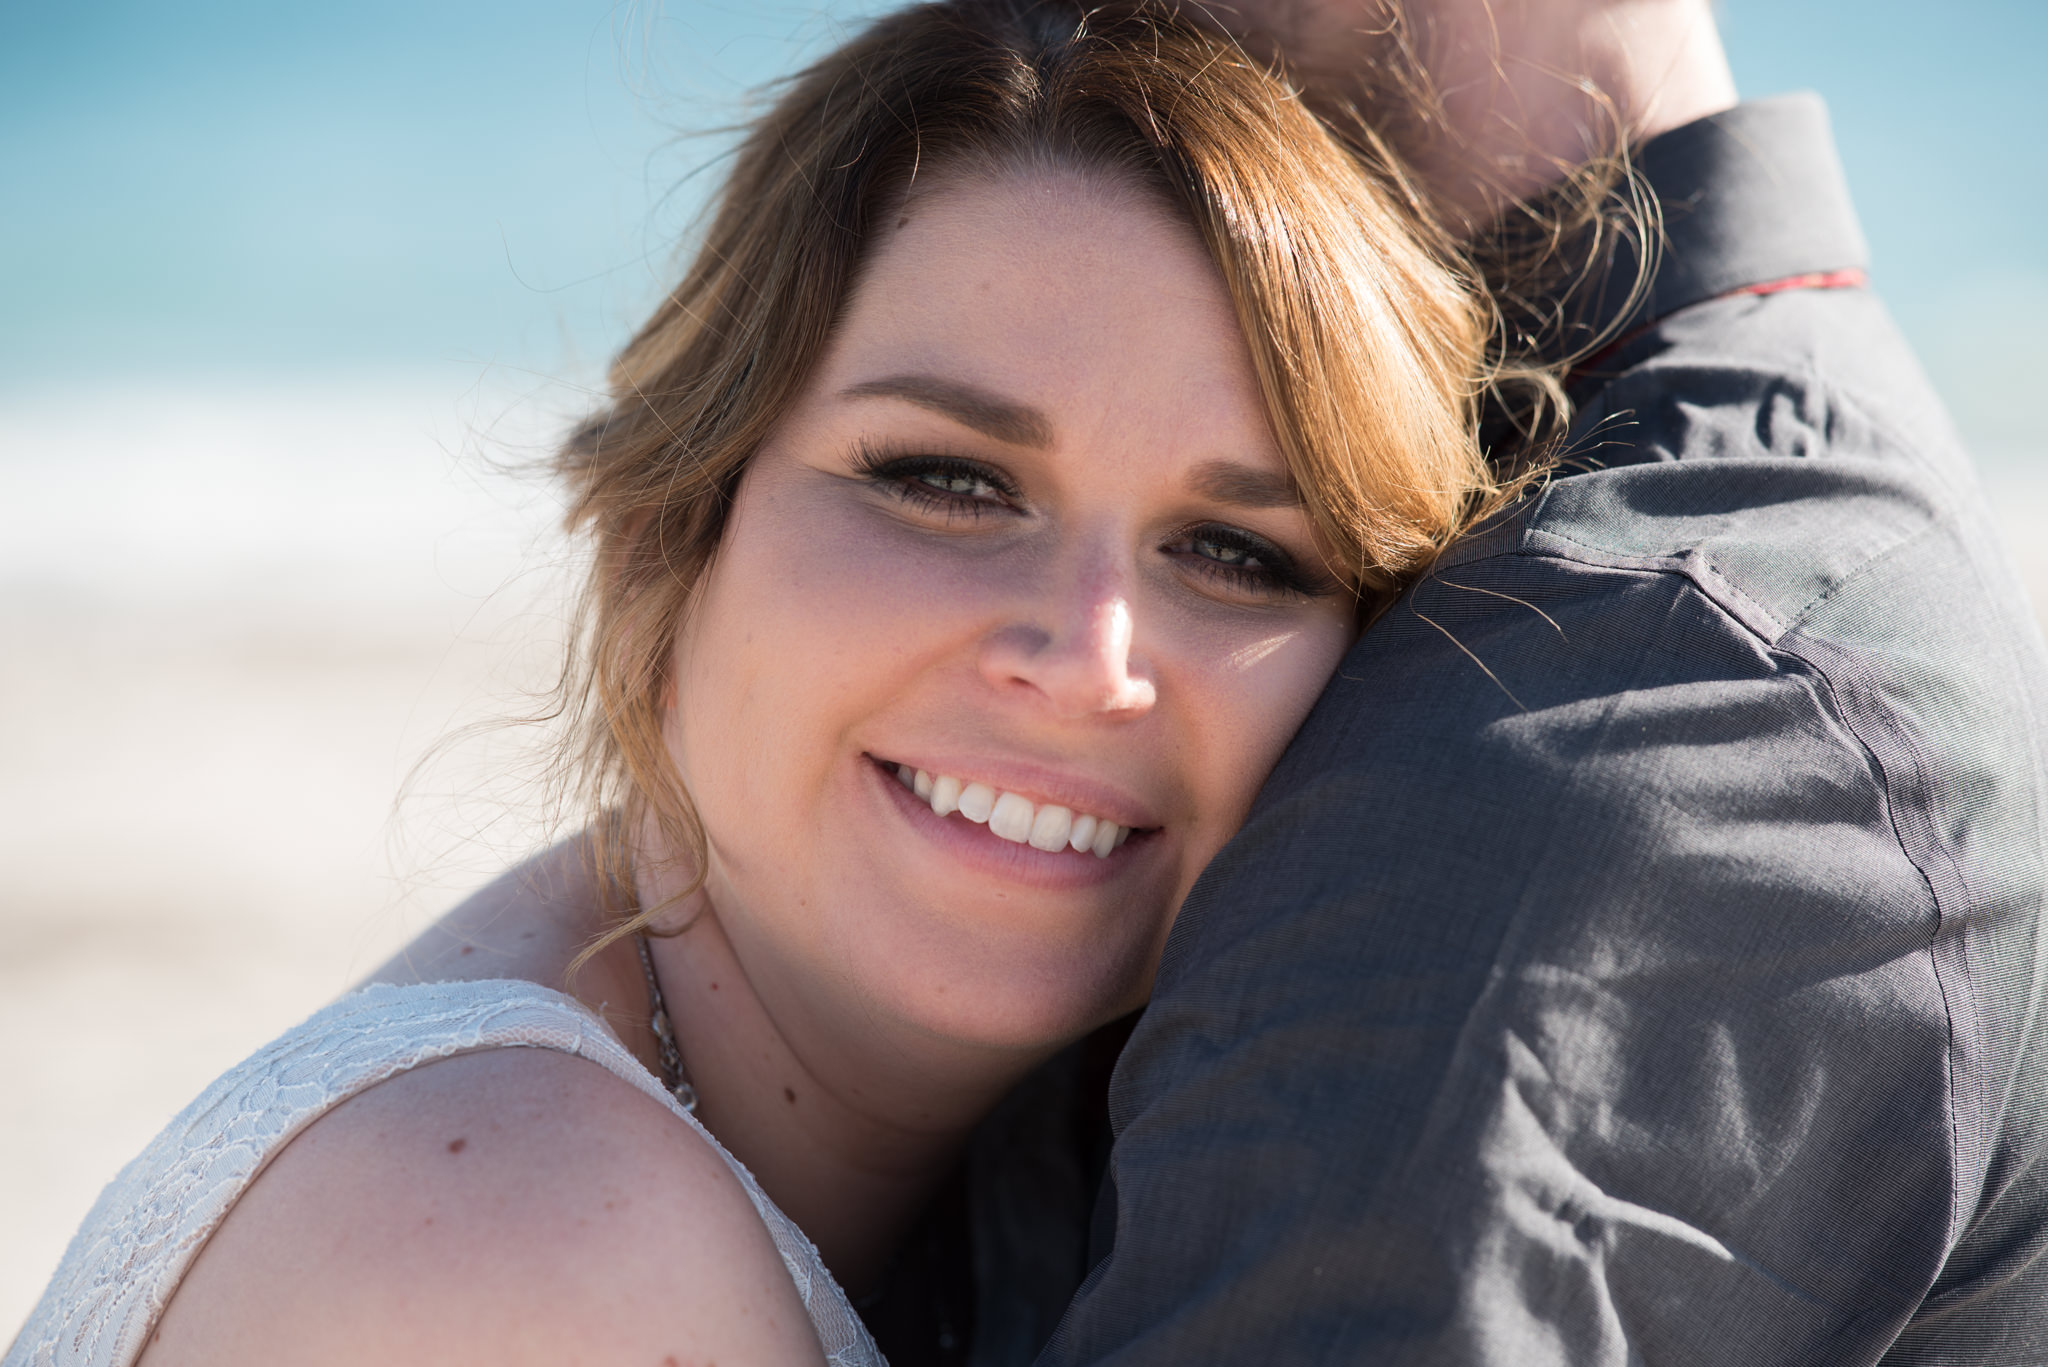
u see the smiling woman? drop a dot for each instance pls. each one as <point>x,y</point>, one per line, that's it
<point>1051,403</point>
<point>1002,530</point>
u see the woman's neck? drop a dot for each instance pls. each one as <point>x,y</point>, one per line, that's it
<point>848,1126</point>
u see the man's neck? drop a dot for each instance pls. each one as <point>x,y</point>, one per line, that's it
<point>1491,101</point>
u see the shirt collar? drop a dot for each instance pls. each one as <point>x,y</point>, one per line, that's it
<point>1750,195</point>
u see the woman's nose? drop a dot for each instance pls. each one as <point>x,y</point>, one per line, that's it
<point>1078,655</point>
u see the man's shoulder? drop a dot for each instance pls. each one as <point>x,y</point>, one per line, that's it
<point>1767,486</point>
<point>1774,626</point>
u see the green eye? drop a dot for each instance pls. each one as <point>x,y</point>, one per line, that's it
<point>954,488</point>
<point>1242,561</point>
<point>1224,552</point>
<point>960,483</point>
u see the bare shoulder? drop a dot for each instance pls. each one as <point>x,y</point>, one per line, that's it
<point>504,1207</point>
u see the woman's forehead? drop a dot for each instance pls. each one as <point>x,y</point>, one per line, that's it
<point>1050,283</point>
<point>1040,317</point>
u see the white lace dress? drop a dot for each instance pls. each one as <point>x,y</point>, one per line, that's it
<point>150,1222</point>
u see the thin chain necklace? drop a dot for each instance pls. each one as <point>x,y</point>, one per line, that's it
<point>673,1076</point>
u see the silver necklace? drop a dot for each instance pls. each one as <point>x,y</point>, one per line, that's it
<point>673,1076</point>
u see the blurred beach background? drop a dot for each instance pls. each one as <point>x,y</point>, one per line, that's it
<point>293,297</point>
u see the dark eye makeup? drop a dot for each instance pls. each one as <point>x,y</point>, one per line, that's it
<point>1246,561</point>
<point>946,485</point>
<point>955,488</point>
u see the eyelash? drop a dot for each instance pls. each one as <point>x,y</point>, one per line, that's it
<point>1279,576</point>
<point>906,477</point>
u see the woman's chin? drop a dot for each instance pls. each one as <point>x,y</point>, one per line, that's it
<point>935,926</point>
<point>1007,988</point>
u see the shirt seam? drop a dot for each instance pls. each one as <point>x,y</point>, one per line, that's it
<point>1911,753</point>
<point>1686,565</point>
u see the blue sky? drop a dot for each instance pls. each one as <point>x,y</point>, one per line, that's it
<point>223,186</point>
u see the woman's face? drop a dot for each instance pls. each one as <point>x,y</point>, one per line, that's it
<point>1026,530</point>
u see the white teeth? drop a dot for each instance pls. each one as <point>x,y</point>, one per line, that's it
<point>1049,828</point>
<point>1011,818</point>
<point>1015,818</point>
<point>977,800</point>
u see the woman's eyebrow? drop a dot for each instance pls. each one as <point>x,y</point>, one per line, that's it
<point>1015,424</point>
<point>1247,486</point>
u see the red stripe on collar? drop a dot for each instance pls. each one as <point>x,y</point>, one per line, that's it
<point>1851,277</point>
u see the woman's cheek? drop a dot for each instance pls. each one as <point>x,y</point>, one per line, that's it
<point>818,612</point>
<point>1245,687</point>
<point>853,571</point>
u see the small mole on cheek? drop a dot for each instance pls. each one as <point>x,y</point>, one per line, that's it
<point>789,1096</point>
<point>457,1145</point>
<point>714,987</point>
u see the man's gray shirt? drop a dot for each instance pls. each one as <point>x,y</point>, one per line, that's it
<point>1637,957</point>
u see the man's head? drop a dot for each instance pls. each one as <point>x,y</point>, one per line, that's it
<point>1490,100</point>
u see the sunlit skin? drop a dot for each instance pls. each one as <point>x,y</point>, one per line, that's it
<point>1027,524</point>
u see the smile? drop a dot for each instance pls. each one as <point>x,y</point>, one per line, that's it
<point>1012,817</point>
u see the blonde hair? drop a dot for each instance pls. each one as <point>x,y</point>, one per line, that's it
<point>1373,344</point>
